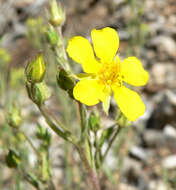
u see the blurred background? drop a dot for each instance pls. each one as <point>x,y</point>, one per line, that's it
<point>144,155</point>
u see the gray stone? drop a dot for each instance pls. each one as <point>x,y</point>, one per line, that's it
<point>165,44</point>
<point>169,162</point>
<point>139,153</point>
<point>170,131</point>
<point>157,185</point>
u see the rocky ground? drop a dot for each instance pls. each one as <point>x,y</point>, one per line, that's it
<point>150,28</point>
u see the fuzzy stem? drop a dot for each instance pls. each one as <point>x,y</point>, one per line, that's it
<point>60,130</point>
<point>84,149</point>
<point>59,29</point>
<point>91,172</point>
<point>32,146</point>
<point>83,122</point>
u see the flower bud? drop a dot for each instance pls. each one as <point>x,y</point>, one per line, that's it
<point>35,70</point>
<point>57,14</point>
<point>14,117</point>
<point>12,159</point>
<point>64,81</point>
<point>40,93</point>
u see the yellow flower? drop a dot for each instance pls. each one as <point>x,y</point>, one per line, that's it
<point>105,73</point>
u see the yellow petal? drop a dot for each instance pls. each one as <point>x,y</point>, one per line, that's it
<point>87,91</point>
<point>80,50</point>
<point>133,72</point>
<point>129,102</point>
<point>105,43</point>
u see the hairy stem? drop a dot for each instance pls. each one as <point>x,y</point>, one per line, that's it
<point>92,174</point>
<point>83,122</point>
<point>60,130</point>
<point>84,149</point>
<point>32,146</point>
<point>67,66</point>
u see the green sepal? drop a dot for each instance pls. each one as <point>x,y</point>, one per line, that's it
<point>40,93</point>
<point>64,81</point>
<point>81,76</point>
<point>106,104</point>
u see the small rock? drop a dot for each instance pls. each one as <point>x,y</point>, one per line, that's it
<point>123,186</point>
<point>171,96</point>
<point>170,131</point>
<point>165,44</point>
<point>169,162</point>
<point>138,153</point>
<point>129,163</point>
<point>157,185</point>
<point>124,35</point>
<point>111,160</point>
<point>158,72</point>
<point>154,137</point>
<point>35,7</point>
<point>118,2</point>
<point>163,74</point>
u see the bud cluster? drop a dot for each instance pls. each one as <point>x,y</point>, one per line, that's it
<point>37,90</point>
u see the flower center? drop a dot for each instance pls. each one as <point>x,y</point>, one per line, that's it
<point>110,74</point>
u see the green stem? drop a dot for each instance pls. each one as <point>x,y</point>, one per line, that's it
<point>92,174</point>
<point>60,130</point>
<point>34,182</point>
<point>55,119</point>
<point>59,29</point>
<point>84,149</point>
<point>17,130</point>
<point>84,131</point>
<point>32,146</point>
<point>83,122</point>
<point>110,143</point>
<point>57,55</point>
<point>97,152</point>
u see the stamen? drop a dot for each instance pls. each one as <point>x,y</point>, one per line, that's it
<point>110,73</point>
